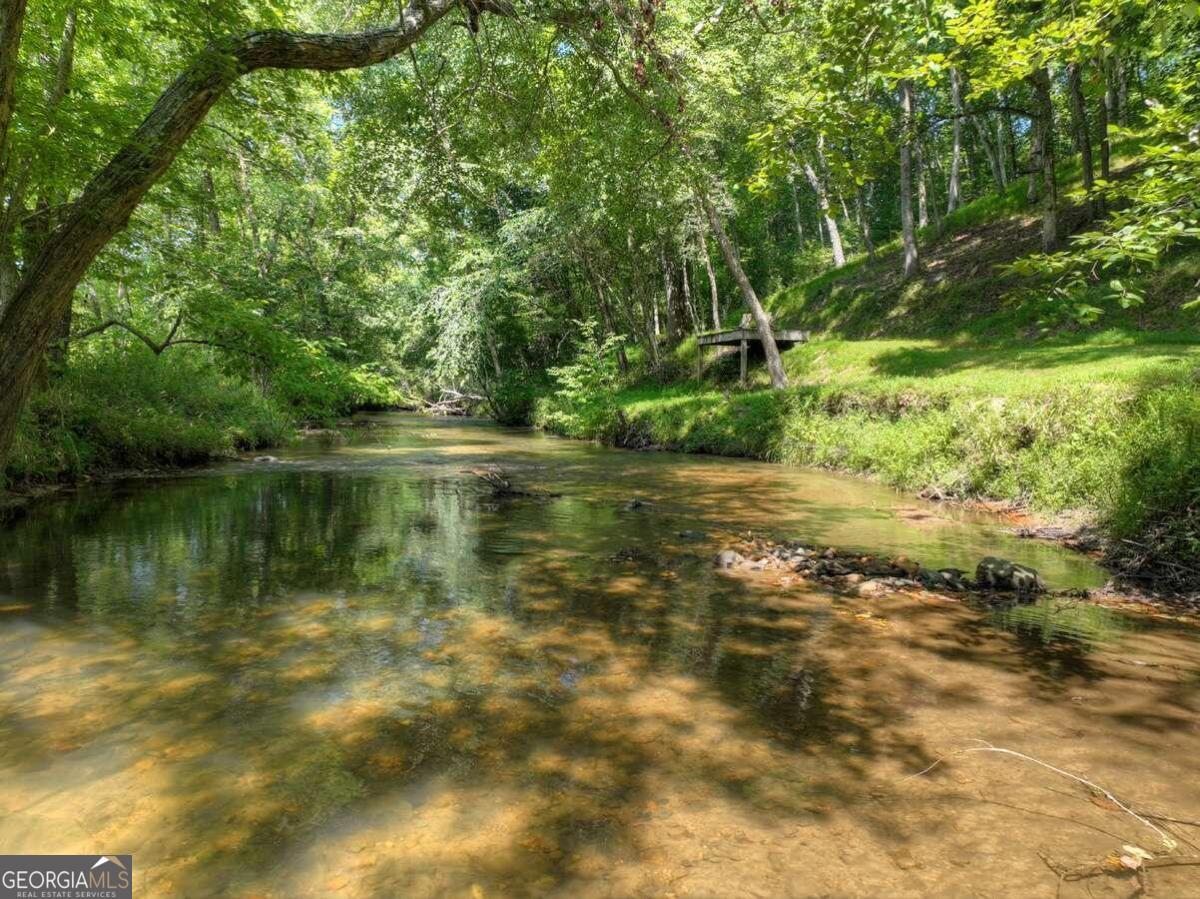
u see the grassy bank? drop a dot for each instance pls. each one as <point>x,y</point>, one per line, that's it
<point>130,410</point>
<point>950,385</point>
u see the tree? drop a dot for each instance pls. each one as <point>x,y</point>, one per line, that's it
<point>102,209</point>
<point>907,226</point>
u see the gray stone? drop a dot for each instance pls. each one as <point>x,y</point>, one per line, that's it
<point>1001,574</point>
<point>728,558</point>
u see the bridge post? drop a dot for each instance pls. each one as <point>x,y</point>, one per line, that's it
<point>745,353</point>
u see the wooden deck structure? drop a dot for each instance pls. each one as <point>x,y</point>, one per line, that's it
<point>742,338</point>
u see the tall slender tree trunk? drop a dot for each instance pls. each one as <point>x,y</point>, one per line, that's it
<point>687,295</point>
<point>210,203</point>
<point>1006,146</point>
<point>954,188</point>
<point>864,222</point>
<point>606,313</point>
<point>770,349</point>
<point>1083,136</point>
<point>714,294</point>
<point>994,154</point>
<point>1041,85</point>
<point>1035,149</point>
<point>907,229</point>
<point>1121,73</point>
<point>797,218</point>
<point>1107,110</point>
<point>248,209</point>
<point>922,184</point>
<point>831,225</point>
<point>668,270</point>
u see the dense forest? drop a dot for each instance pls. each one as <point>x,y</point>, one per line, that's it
<point>222,220</point>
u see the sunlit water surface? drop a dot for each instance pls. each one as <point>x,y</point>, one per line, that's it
<point>356,673</point>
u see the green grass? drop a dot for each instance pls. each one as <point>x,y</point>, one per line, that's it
<point>1108,424</point>
<point>120,407</point>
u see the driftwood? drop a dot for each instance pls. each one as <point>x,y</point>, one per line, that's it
<point>451,402</point>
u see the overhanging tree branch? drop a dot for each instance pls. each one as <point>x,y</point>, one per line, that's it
<point>109,199</point>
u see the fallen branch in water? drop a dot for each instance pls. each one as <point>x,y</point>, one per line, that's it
<point>451,402</point>
<point>1093,869</point>
<point>1168,840</point>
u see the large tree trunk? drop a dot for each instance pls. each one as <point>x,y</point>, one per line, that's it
<point>908,231</point>
<point>106,203</point>
<point>1083,137</point>
<point>1049,187</point>
<point>12,21</point>
<point>954,189</point>
<point>774,361</point>
<point>831,225</point>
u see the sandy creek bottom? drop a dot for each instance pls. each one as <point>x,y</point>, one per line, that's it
<point>354,673</point>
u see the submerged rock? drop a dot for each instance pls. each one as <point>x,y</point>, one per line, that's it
<point>1001,574</point>
<point>636,503</point>
<point>692,535</point>
<point>728,558</point>
<point>265,459</point>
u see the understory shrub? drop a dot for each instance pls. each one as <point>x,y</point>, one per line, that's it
<point>584,402</point>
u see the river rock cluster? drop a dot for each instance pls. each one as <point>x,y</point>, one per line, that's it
<point>874,574</point>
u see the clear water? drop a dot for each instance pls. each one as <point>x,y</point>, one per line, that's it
<point>355,672</point>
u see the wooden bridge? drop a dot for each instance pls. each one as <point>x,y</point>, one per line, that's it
<point>742,337</point>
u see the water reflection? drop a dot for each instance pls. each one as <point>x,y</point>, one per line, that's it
<point>356,673</point>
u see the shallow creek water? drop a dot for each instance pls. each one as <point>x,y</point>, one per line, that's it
<point>356,673</point>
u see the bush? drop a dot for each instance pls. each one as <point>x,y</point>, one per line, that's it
<point>584,403</point>
<point>315,387</point>
<point>512,400</point>
<point>121,407</point>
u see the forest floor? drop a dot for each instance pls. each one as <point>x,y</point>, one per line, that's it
<point>947,385</point>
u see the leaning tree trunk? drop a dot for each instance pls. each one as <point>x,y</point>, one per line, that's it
<point>831,225</point>
<point>109,199</point>
<point>954,190</point>
<point>911,260</point>
<point>774,361</point>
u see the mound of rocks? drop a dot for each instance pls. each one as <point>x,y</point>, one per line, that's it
<point>875,575</point>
